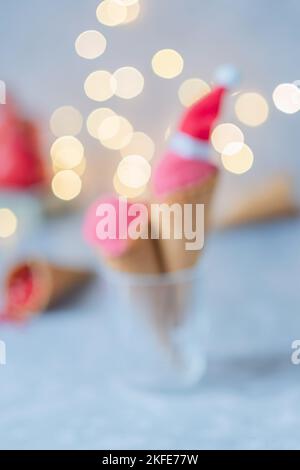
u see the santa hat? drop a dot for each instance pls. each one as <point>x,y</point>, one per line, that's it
<point>192,140</point>
<point>21,165</point>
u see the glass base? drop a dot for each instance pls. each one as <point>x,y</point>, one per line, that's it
<point>162,330</point>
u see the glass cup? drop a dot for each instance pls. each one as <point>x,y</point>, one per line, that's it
<point>161,329</point>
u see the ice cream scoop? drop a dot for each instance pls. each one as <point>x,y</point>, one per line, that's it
<point>186,174</point>
<point>107,227</point>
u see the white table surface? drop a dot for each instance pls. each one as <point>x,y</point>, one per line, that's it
<point>60,387</point>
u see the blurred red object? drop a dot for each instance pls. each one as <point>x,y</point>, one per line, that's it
<point>36,285</point>
<point>21,163</point>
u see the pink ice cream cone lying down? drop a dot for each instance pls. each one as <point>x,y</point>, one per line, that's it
<point>119,250</point>
<point>185,175</point>
<point>36,285</point>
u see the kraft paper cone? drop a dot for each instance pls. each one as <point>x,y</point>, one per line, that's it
<point>273,201</point>
<point>174,254</point>
<point>51,284</point>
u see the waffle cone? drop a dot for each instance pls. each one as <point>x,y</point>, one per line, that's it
<point>274,201</point>
<point>141,257</point>
<point>176,257</point>
<point>153,302</point>
<point>174,254</point>
<point>54,283</point>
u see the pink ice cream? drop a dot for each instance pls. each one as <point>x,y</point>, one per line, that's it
<point>187,161</point>
<point>116,215</point>
<point>175,173</point>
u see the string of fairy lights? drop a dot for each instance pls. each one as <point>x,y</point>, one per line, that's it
<point>116,133</point>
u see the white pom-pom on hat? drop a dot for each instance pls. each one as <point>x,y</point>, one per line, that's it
<point>227,76</point>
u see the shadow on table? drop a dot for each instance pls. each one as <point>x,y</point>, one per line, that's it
<point>245,370</point>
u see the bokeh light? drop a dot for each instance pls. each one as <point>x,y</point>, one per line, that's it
<point>140,144</point>
<point>90,44</point>
<point>66,185</point>
<point>252,109</point>
<point>111,13</point>
<point>126,3</point>
<point>168,133</point>
<point>286,98</point>
<point>79,169</point>
<point>167,63</point>
<point>8,223</point>
<point>100,85</point>
<point>109,128</point>
<point>66,120</point>
<point>134,171</point>
<point>237,160</point>
<point>2,92</point>
<point>224,134</point>
<point>67,152</point>
<point>128,82</point>
<point>133,12</point>
<point>96,118</point>
<point>125,191</point>
<point>192,90</point>
<point>115,132</point>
